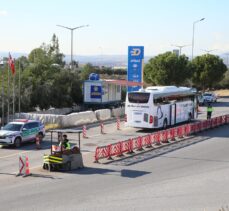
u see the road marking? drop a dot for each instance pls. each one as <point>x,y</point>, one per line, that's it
<point>7,156</point>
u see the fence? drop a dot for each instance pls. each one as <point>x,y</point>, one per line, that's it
<point>157,138</point>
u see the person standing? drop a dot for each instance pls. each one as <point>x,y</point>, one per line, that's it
<point>209,111</point>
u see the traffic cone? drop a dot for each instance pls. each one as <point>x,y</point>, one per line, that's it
<point>118,123</point>
<point>27,171</point>
<point>85,131</point>
<point>102,128</point>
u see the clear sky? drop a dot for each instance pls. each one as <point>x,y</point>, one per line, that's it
<point>114,25</point>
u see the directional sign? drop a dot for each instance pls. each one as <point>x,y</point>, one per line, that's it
<point>22,161</point>
<point>135,66</point>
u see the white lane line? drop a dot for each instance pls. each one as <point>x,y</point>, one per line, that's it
<point>7,156</point>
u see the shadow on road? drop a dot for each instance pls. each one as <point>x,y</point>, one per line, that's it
<point>44,176</point>
<point>103,171</point>
<point>10,174</point>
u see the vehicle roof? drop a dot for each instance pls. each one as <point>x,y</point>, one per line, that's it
<point>165,91</point>
<point>23,121</point>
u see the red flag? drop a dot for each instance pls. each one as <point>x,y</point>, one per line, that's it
<point>11,64</point>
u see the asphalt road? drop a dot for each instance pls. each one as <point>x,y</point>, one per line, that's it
<point>190,175</point>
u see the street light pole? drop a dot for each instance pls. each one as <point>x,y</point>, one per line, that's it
<point>180,47</point>
<point>193,32</point>
<point>72,29</point>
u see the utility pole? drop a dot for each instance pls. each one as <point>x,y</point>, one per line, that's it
<point>72,29</point>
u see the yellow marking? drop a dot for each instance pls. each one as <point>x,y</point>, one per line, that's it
<point>7,156</point>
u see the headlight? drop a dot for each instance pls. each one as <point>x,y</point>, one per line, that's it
<point>10,136</point>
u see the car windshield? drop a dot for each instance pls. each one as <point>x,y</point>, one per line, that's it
<point>208,94</point>
<point>12,127</point>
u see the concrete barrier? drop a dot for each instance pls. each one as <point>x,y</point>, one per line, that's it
<point>118,112</point>
<point>103,114</point>
<point>76,119</point>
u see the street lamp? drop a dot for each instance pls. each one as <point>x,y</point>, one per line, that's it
<point>180,47</point>
<point>72,29</point>
<point>193,30</point>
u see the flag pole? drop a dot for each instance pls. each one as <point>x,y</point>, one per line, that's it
<point>19,89</point>
<point>13,95</point>
<point>8,95</point>
<point>2,121</point>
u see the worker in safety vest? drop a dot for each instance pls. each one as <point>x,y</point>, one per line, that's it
<point>209,111</point>
<point>65,143</point>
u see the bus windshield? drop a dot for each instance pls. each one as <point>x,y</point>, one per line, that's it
<point>136,97</point>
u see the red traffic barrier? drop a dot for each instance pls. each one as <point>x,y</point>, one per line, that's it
<point>172,134</point>
<point>164,136</point>
<point>147,141</point>
<point>102,152</point>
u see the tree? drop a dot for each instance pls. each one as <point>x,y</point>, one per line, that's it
<point>167,69</point>
<point>208,70</point>
<point>85,72</point>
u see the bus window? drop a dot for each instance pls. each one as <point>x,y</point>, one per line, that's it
<point>138,97</point>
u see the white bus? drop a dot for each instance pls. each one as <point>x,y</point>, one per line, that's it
<point>160,106</point>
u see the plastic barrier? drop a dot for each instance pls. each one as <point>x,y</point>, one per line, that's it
<point>147,141</point>
<point>128,146</point>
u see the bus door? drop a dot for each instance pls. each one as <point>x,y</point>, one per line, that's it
<point>173,114</point>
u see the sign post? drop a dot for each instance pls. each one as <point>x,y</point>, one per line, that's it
<point>22,166</point>
<point>135,66</point>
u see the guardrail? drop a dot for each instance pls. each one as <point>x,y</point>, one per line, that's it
<point>157,138</point>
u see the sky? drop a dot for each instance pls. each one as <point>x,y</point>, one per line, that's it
<point>114,25</point>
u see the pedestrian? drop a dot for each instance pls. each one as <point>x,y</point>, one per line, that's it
<point>209,111</point>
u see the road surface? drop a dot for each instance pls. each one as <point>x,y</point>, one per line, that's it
<point>190,175</point>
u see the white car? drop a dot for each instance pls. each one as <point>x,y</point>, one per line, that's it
<point>209,97</point>
<point>19,131</point>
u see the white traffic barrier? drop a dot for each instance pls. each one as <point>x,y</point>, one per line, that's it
<point>76,119</point>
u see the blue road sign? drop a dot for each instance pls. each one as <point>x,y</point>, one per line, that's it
<point>135,66</point>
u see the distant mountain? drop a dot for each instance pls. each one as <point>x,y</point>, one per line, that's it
<point>99,60</point>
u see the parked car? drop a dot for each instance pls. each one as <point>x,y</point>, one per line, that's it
<point>200,99</point>
<point>20,131</point>
<point>209,97</point>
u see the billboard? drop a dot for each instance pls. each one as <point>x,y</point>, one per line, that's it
<point>135,66</point>
<point>96,92</point>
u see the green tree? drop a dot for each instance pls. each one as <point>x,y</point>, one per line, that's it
<point>208,70</point>
<point>86,70</point>
<point>167,69</point>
